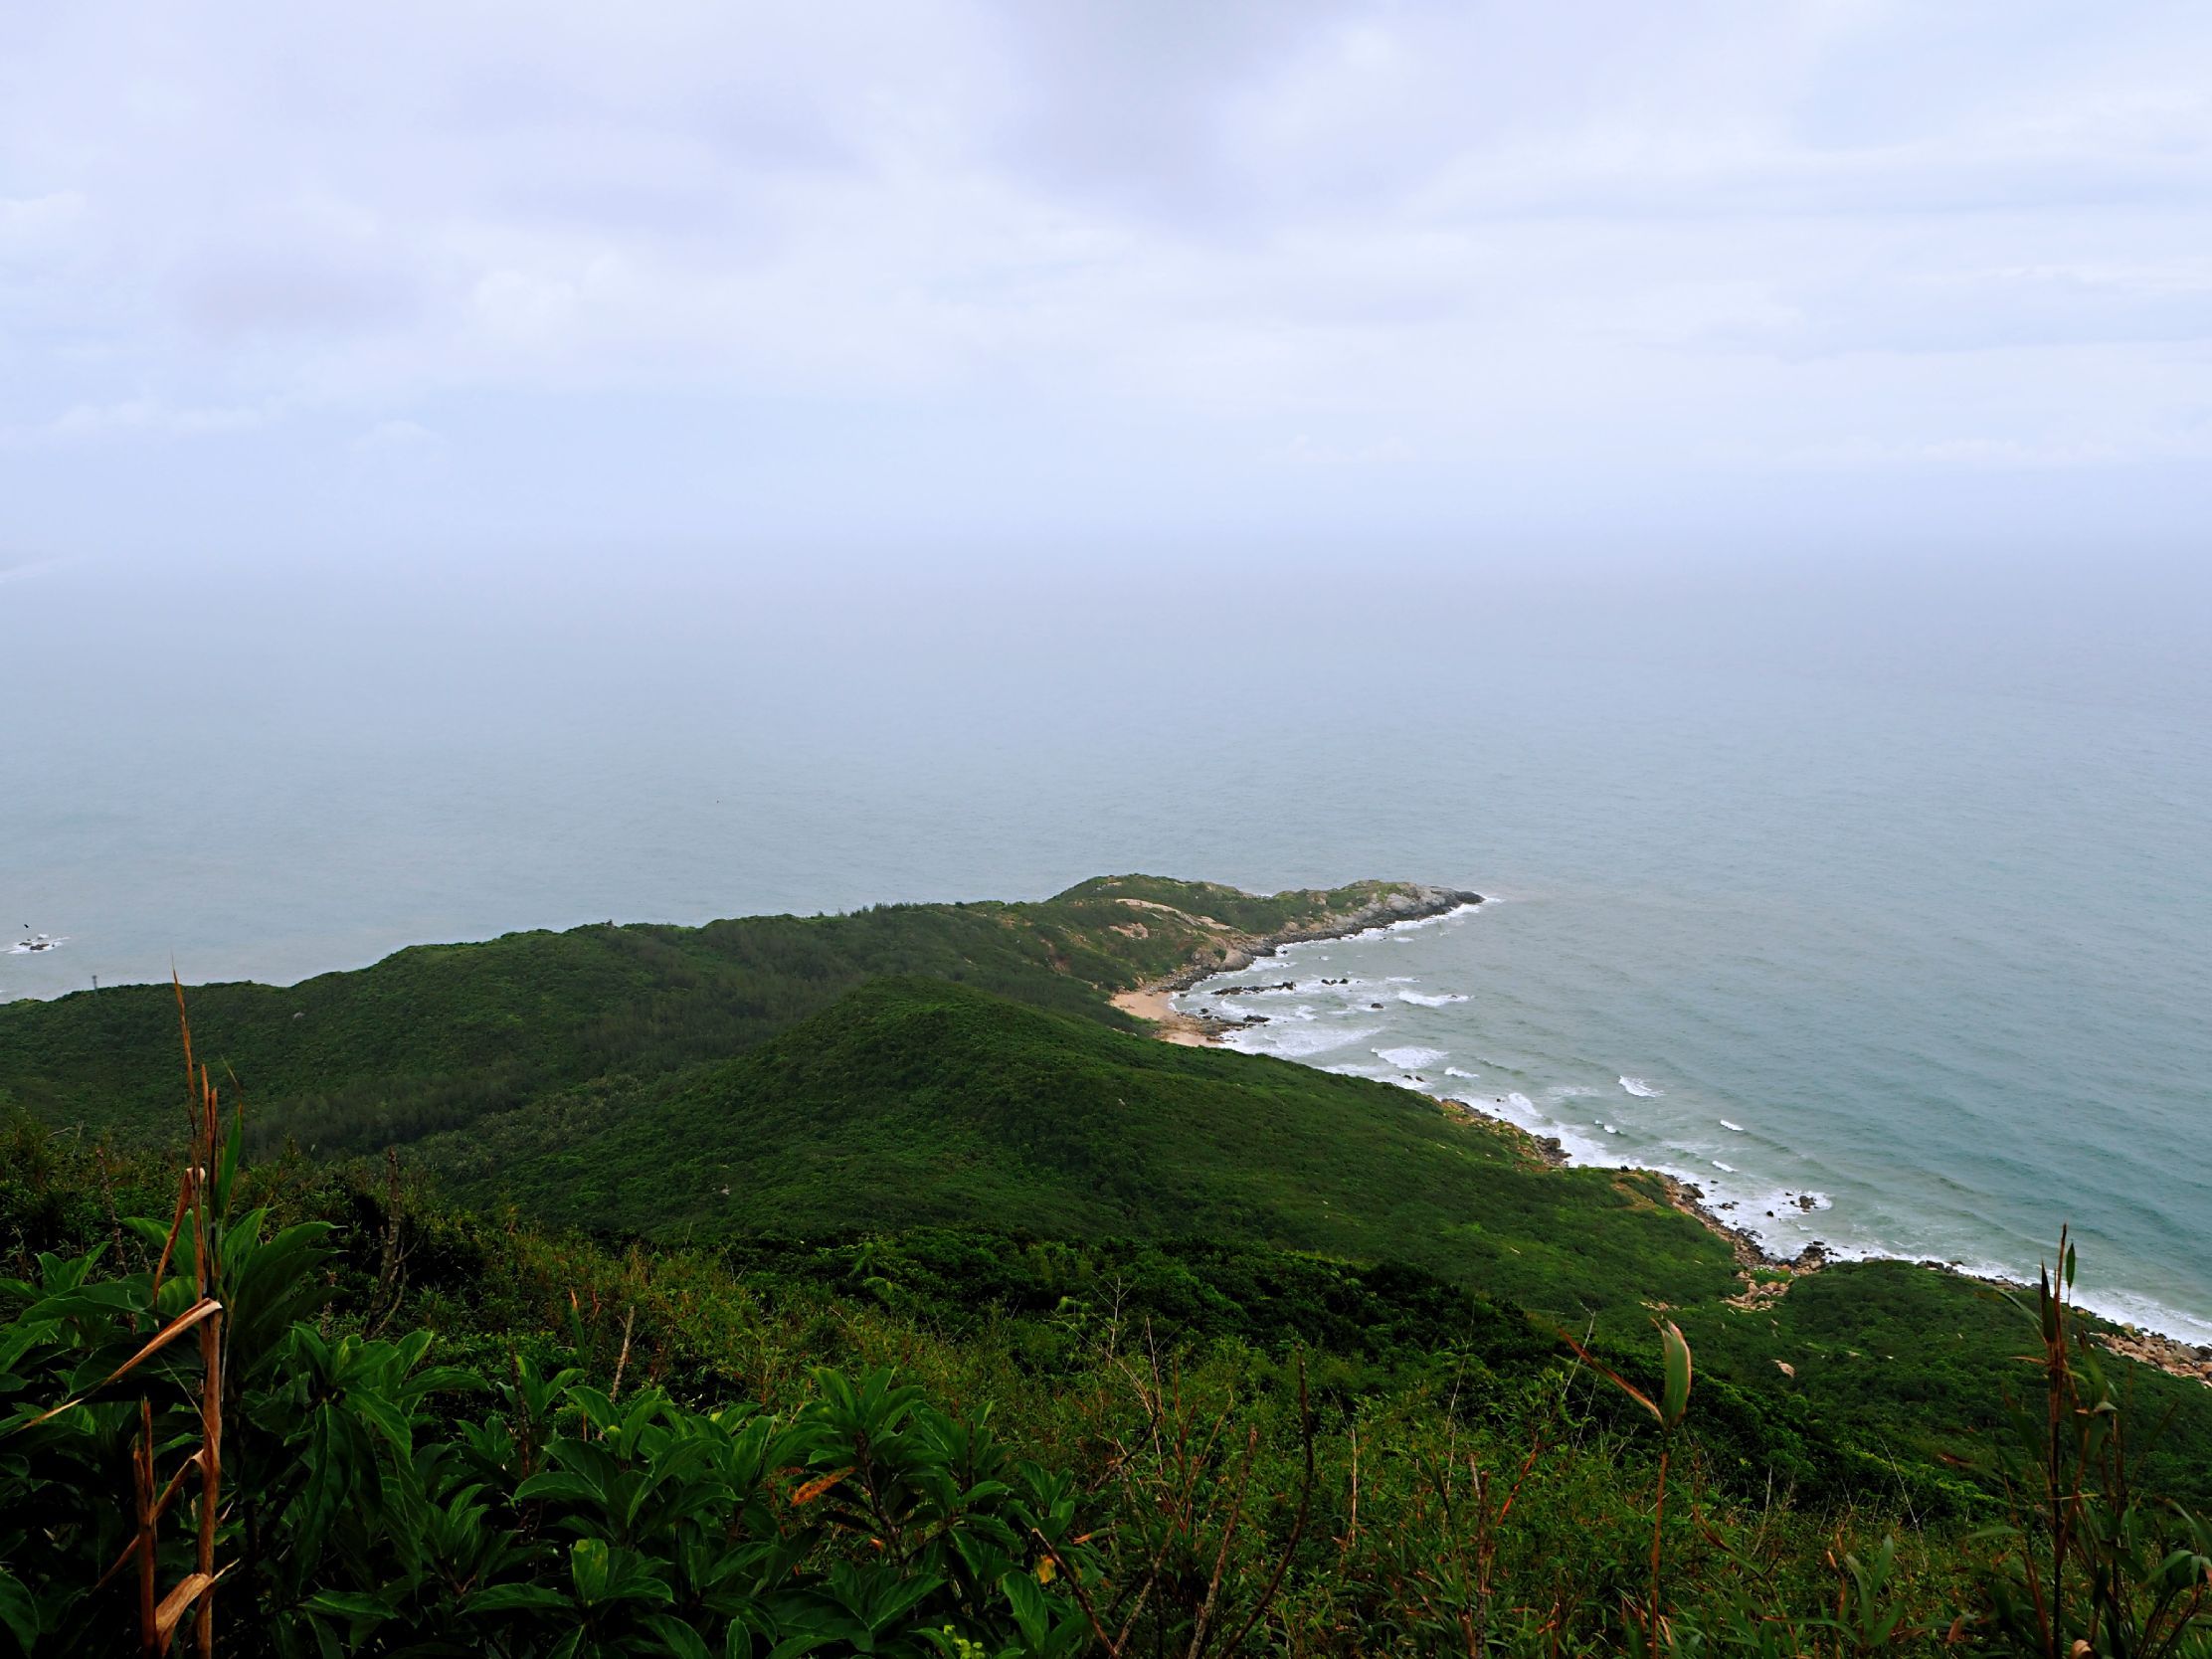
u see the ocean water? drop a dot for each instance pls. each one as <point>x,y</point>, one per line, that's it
<point>1880,886</point>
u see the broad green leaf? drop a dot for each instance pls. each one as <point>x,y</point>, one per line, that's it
<point>1674,1400</point>
<point>444,1379</point>
<point>516,1598</point>
<point>562,1485</point>
<point>17,1610</point>
<point>388,1418</point>
<point>899,1600</point>
<point>99,1302</point>
<point>590,1569</point>
<point>1031,1614</point>
<point>682,1641</point>
<point>328,1478</point>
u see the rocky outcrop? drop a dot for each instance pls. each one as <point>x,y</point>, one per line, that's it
<point>2175,1358</point>
<point>1219,948</point>
<point>1231,951</point>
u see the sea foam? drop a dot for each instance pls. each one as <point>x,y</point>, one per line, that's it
<point>1412,1058</point>
<point>1297,1043</point>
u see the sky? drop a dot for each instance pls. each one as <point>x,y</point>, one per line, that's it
<point>319,282</point>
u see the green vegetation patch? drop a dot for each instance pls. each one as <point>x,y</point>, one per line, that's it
<point>917,1103</point>
<point>431,1038</point>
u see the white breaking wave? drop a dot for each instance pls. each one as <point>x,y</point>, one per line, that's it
<point>1454,914</point>
<point>2131,1309</point>
<point>1411,1059</point>
<point>1333,1024</point>
<point>1295,1043</point>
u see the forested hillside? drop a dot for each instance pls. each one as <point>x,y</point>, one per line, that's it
<point>445,1432</point>
<point>948,1314</point>
<point>436,1037</point>
<point>914,1102</point>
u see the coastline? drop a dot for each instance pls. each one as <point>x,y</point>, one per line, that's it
<point>1764,1276</point>
<point>1153,999</point>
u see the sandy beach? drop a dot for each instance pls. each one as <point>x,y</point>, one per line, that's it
<point>1152,1003</point>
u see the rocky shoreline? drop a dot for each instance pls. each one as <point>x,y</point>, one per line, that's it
<point>1764,1276</point>
<point>1411,902</point>
<point>1767,1277</point>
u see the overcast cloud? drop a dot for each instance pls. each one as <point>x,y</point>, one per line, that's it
<point>325,277</point>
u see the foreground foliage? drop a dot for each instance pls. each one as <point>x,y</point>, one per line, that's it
<point>567,1520</point>
<point>442,1435</point>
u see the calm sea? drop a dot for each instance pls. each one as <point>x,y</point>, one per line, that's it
<point>1884,888</point>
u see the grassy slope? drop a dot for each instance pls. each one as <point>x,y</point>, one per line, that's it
<point>432,1037</point>
<point>914,1102</point>
<point>917,1104</point>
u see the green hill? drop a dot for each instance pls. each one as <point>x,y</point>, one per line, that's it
<point>914,1102</point>
<point>919,1104</point>
<point>436,1037</point>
